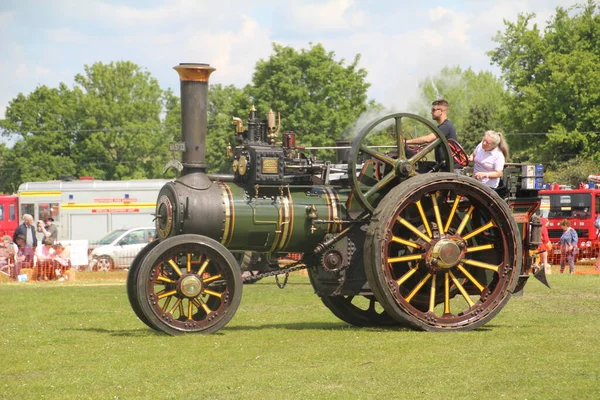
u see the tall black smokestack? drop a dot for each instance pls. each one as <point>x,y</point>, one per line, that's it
<point>194,92</point>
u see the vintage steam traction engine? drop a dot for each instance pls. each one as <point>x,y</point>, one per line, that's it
<point>388,237</point>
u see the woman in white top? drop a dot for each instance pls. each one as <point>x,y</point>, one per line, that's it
<point>489,157</point>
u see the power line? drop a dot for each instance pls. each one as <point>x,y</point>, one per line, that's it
<point>105,130</point>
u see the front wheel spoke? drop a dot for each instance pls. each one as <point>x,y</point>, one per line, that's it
<point>418,287</point>
<point>190,310</point>
<point>480,248</point>
<point>203,267</point>
<point>189,263</point>
<point>423,218</point>
<point>470,277</point>
<point>479,230</point>
<point>175,306</point>
<point>480,264</point>
<point>465,220</point>
<point>212,278</point>
<point>212,293</point>
<point>381,184</point>
<point>162,294</point>
<point>377,155</point>
<point>414,229</point>
<point>163,279</point>
<point>175,267</point>
<point>165,305</point>
<point>199,303</point>
<point>461,289</point>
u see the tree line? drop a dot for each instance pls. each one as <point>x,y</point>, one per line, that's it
<point>115,122</point>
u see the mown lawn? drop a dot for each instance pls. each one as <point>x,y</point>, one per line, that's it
<point>80,340</point>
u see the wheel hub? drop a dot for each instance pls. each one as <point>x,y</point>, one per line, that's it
<point>404,168</point>
<point>190,286</point>
<point>446,254</point>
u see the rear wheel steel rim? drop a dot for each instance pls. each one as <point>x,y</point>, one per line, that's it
<point>447,264</point>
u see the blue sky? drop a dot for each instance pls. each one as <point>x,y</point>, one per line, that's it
<point>400,42</point>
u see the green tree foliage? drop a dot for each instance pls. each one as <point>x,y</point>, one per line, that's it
<point>477,102</point>
<point>126,103</point>
<point>43,124</point>
<point>553,81</point>
<point>571,172</point>
<point>107,126</point>
<point>318,97</point>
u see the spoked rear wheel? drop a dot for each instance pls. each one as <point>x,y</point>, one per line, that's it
<point>188,284</point>
<point>443,252</point>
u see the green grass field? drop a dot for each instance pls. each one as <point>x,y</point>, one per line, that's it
<point>81,340</point>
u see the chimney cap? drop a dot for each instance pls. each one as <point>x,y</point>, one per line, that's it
<point>195,72</point>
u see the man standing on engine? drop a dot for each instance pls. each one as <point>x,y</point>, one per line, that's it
<point>439,113</point>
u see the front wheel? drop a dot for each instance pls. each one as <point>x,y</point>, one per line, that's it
<point>443,252</point>
<point>187,284</point>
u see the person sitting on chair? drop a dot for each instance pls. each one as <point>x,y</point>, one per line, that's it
<point>489,157</point>
<point>7,253</point>
<point>25,257</point>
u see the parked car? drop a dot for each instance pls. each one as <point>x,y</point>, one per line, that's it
<point>118,248</point>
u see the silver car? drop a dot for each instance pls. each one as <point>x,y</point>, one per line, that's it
<point>118,248</point>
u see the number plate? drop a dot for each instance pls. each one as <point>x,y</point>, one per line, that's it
<point>177,146</point>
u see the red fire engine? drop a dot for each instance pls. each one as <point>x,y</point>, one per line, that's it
<point>580,206</point>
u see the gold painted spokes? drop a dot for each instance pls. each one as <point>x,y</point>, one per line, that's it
<point>451,255</point>
<point>186,284</point>
<point>183,287</point>
<point>431,262</point>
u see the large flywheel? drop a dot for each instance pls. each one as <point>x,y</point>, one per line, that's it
<point>186,284</point>
<point>358,310</point>
<point>442,252</point>
<point>375,169</point>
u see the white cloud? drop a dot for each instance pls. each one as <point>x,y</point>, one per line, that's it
<point>399,47</point>
<point>329,16</point>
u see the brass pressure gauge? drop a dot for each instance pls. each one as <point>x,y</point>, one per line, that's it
<point>235,165</point>
<point>242,165</point>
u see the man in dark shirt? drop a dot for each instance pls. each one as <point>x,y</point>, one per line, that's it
<point>27,230</point>
<point>439,113</point>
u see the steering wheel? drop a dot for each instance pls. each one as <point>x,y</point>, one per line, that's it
<point>458,153</point>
